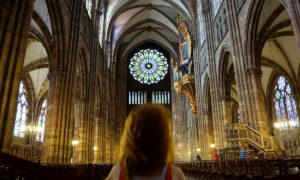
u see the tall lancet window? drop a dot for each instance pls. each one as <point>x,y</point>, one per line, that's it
<point>21,115</point>
<point>88,6</point>
<point>201,21</point>
<point>216,6</point>
<point>41,122</point>
<point>285,105</point>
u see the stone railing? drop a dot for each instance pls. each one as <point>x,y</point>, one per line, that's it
<point>292,146</point>
<point>238,135</point>
<point>281,168</point>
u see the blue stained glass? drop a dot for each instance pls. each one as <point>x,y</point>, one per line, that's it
<point>148,66</point>
<point>239,115</point>
<point>129,97</point>
<point>135,98</point>
<point>216,6</point>
<point>281,83</point>
<point>202,26</point>
<point>41,122</point>
<point>153,97</point>
<point>166,97</point>
<point>88,6</point>
<point>285,105</point>
<point>288,89</point>
<point>145,97</point>
<point>21,113</point>
<point>289,107</point>
<point>277,95</point>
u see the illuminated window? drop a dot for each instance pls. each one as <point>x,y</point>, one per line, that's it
<point>285,105</point>
<point>145,97</point>
<point>129,98</point>
<point>41,122</point>
<point>239,115</point>
<point>216,6</point>
<point>88,6</point>
<point>148,66</point>
<point>161,97</point>
<point>21,114</point>
<point>202,26</point>
<point>101,24</point>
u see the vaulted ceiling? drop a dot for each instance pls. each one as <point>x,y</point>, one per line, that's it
<point>132,22</point>
<point>279,52</point>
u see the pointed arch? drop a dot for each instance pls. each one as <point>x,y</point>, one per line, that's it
<point>22,112</point>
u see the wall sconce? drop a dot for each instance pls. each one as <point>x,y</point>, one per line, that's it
<point>212,145</point>
<point>75,142</point>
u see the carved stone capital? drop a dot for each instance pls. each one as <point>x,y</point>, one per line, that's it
<point>56,73</point>
<point>80,100</point>
<point>5,7</point>
<point>206,113</point>
<point>254,71</point>
<point>225,98</point>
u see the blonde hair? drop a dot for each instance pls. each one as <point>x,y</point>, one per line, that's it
<point>147,141</point>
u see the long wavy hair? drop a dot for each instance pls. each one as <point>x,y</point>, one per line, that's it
<point>147,141</point>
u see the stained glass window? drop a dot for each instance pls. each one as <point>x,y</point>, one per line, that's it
<point>160,97</point>
<point>129,97</point>
<point>216,5</point>
<point>239,115</point>
<point>285,105</point>
<point>148,66</point>
<point>41,122</point>
<point>202,26</point>
<point>88,6</point>
<point>21,114</point>
<point>145,97</point>
<point>101,25</point>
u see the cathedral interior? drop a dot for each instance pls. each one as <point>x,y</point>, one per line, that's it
<point>72,70</point>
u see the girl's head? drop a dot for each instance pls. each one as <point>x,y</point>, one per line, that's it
<point>147,141</point>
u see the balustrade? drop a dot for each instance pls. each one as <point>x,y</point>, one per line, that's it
<point>262,168</point>
<point>239,135</point>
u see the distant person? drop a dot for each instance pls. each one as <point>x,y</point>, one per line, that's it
<point>261,154</point>
<point>147,147</point>
<point>243,153</point>
<point>216,155</point>
<point>198,158</point>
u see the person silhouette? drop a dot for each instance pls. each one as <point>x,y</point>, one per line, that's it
<point>147,147</point>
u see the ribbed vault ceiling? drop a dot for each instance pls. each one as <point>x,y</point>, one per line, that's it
<point>132,22</point>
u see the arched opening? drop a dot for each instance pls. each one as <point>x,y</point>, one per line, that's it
<point>148,76</point>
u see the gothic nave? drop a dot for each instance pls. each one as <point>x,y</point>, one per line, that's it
<point>72,70</point>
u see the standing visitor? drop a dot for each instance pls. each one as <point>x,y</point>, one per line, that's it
<point>147,147</point>
<point>198,158</point>
<point>216,155</point>
<point>261,154</point>
<point>243,153</point>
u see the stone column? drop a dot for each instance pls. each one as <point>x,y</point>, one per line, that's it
<point>208,138</point>
<point>97,139</point>
<point>81,134</point>
<point>261,122</point>
<point>59,125</point>
<point>251,100</point>
<point>14,28</point>
<point>219,130</point>
<point>226,109</point>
